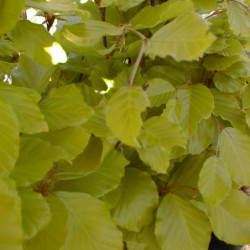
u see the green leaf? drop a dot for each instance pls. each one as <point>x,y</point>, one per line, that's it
<point>9,138</point>
<point>10,13</point>
<point>24,103</point>
<point>72,140</point>
<point>36,157</point>
<point>88,33</point>
<point>35,212</point>
<point>97,123</point>
<point>230,219</point>
<point>125,5</point>
<point>173,111</point>
<point>85,163</point>
<point>204,4</point>
<point>233,48</point>
<point>104,180</point>
<point>197,103</point>
<point>159,131</point>
<point>150,16</point>
<point>238,18</point>
<point>11,234</point>
<point>90,225</point>
<point>31,75</point>
<point>124,114</point>
<point>216,62</point>
<point>64,107</point>
<point>227,107</point>
<point>203,136</point>
<point>33,39</point>
<point>158,158</point>
<point>178,219</point>
<point>159,92</point>
<point>234,151</point>
<point>239,69</point>
<point>185,38</point>
<point>227,84</point>
<point>246,104</point>
<point>136,199</point>
<point>53,236</point>
<point>215,181</point>
<point>7,48</point>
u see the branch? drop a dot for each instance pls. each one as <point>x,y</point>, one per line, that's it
<point>214,13</point>
<point>218,135</point>
<point>140,55</point>
<point>169,188</point>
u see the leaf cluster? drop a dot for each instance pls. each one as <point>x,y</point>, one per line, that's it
<point>125,124</point>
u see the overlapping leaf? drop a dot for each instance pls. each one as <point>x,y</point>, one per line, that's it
<point>124,114</point>
<point>89,225</point>
<point>185,38</point>
<point>178,219</point>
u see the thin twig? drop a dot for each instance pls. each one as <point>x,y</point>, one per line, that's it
<point>218,135</point>
<point>137,63</point>
<point>169,188</point>
<point>140,55</point>
<point>214,13</point>
<point>203,75</point>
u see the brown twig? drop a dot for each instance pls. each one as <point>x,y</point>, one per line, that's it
<point>169,188</point>
<point>218,135</point>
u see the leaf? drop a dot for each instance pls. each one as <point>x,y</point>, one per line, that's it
<point>246,104</point>
<point>238,18</point>
<point>205,4</point>
<point>90,225</point>
<point>173,111</point>
<point>228,108</point>
<point>233,48</point>
<point>33,39</point>
<point>72,140</point>
<point>124,113</point>
<point>178,219</point>
<point>35,212</point>
<point>85,163</point>
<point>230,219</point>
<point>24,103</point>
<point>159,131</point>
<point>53,235</point>
<point>158,158</point>
<point>36,157</point>
<point>64,107</point>
<point>203,136</point>
<point>227,84</point>
<point>104,180</point>
<point>125,5</point>
<point>97,123</point>
<point>239,69</point>
<point>197,103</point>
<point>31,75</point>
<point>150,16</point>
<point>136,199</point>
<point>10,12</point>
<point>11,234</point>
<point>9,138</point>
<point>215,181</point>
<point>88,33</point>
<point>234,151</point>
<point>216,62</point>
<point>7,48</point>
<point>159,92</point>
<point>185,38</point>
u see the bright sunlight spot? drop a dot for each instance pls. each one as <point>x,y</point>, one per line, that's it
<point>110,85</point>
<point>57,53</point>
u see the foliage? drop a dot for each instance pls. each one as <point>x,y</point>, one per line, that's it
<point>126,128</point>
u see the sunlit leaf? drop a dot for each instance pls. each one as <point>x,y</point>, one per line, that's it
<point>123,114</point>
<point>185,38</point>
<point>89,225</point>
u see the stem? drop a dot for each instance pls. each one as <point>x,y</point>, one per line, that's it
<point>218,135</point>
<point>140,55</point>
<point>169,188</point>
<point>203,75</point>
<point>214,13</point>
<point>240,3</point>
<point>137,63</point>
